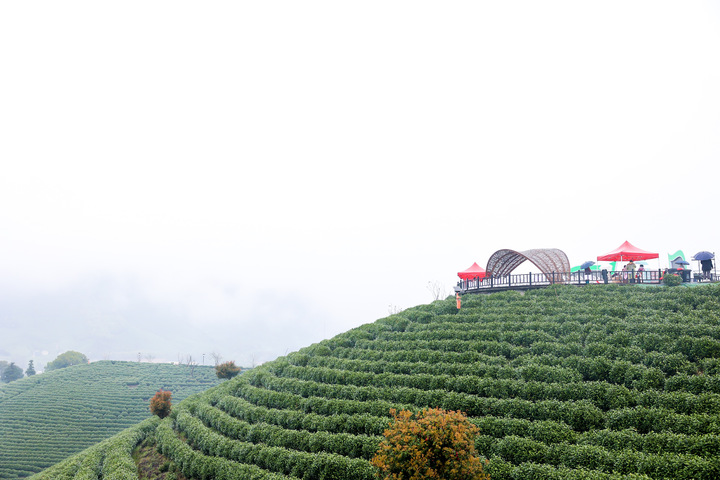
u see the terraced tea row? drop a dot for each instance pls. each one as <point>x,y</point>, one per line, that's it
<point>599,382</point>
<point>48,417</point>
<point>110,459</point>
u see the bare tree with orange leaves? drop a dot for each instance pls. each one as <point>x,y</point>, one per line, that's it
<point>160,404</point>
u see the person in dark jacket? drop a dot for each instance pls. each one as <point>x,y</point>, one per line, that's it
<point>707,267</point>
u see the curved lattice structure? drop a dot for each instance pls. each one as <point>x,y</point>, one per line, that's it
<point>551,261</point>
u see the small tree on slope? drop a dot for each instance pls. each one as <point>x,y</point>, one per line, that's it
<point>226,370</point>
<point>67,359</point>
<point>11,373</point>
<point>160,404</point>
<point>434,444</point>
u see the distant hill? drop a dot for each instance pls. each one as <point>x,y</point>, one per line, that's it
<point>598,382</point>
<point>46,418</point>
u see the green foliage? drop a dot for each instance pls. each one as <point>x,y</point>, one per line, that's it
<point>30,370</point>
<point>602,382</point>
<point>51,416</point>
<point>11,373</point>
<point>66,359</point>
<point>227,370</point>
<point>672,280</point>
<point>161,403</point>
<point>433,444</point>
<point>110,459</point>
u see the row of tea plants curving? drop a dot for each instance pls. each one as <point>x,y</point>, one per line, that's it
<point>596,382</point>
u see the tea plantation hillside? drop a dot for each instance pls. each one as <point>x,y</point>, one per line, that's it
<point>596,382</point>
<point>48,417</point>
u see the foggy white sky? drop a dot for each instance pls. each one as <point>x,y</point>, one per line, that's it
<point>252,177</point>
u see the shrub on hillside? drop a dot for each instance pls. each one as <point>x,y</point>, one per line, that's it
<point>11,373</point>
<point>160,404</point>
<point>67,359</point>
<point>30,370</point>
<point>434,444</point>
<point>227,370</point>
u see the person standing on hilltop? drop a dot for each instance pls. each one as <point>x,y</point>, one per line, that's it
<point>631,271</point>
<point>707,267</point>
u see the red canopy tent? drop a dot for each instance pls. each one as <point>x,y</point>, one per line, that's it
<point>475,271</point>
<point>627,251</point>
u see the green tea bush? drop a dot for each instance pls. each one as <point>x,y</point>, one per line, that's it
<point>600,382</point>
<point>49,417</point>
<point>672,280</point>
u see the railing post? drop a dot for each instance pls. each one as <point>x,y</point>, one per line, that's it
<point>553,280</point>
<point>508,277</point>
<point>530,279</point>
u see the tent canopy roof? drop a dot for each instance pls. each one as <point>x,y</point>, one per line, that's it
<point>550,261</point>
<point>626,252</point>
<point>475,271</point>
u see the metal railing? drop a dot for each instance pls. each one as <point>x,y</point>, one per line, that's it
<point>526,281</point>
